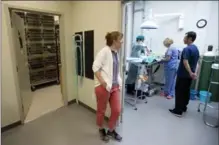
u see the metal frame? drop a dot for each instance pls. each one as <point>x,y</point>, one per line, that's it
<point>123,56</point>
<point>135,98</point>
<point>208,105</point>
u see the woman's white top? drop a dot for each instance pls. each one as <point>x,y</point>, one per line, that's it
<point>104,63</point>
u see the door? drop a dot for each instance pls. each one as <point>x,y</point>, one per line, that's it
<point>123,58</point>
<point>20,49</point>
<point>127,25</point>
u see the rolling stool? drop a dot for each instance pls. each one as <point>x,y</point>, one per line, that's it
<point>213,67</point>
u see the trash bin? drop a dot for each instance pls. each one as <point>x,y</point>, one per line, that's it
<point>203,96</point>
<point>193,94</point>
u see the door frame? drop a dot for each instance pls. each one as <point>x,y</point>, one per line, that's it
<point>123,56</point>
<point>6,8</point>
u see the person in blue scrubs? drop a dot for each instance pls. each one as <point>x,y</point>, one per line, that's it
<point>171,62</point>
<point>185,74</point>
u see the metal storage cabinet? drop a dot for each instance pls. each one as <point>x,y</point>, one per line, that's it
<point>57,42</point>
<point>33,20</point>
<point>41,42</point>
<point>58,54</point>
<point>50,49</point>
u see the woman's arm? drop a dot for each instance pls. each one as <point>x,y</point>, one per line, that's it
<point>100,78</point>
<point>97,65</point>
<point>167,58</point>
<point>167,55</point>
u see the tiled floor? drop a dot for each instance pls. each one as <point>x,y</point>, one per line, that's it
<point>44,101</point>
<point>152,124</point>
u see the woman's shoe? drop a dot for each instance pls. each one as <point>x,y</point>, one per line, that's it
<point>163,94</point>
<point>169,97</point>
<point>103,135</point>
<point>114,135</point>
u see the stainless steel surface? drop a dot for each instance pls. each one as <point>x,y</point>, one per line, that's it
<point>207,105</point>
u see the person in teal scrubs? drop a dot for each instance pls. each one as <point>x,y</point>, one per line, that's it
<point>138,49</point>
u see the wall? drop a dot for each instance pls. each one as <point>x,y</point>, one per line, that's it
<point>10,108</point>
<point>138,18</point>
<point>102,17</point>
<point>212,31</point>
<point>193,11</point>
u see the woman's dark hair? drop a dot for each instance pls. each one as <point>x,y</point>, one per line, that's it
<point>111,36</point>
<point>191,35</point>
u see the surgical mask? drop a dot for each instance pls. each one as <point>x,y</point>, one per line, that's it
<point>141,43</point>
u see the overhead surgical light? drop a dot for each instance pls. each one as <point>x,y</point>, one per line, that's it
<point>151,24</point>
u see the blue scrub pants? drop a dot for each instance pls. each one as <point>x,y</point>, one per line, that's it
<point>170,81</point>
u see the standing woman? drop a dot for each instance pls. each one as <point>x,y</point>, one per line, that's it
<point>170,68</point>
<point>108,83</point>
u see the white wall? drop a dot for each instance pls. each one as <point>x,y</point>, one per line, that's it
<point>193,11</point>
<point>10,108</point>
<point>212,30</point>
<point>102,17</point>
<point>138,15</point>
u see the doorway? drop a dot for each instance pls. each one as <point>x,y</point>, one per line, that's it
<point>37,54</point>
<point>126,30</point>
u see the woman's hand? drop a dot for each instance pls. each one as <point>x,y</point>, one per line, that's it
<point>104,84</point>
<point>100,79</point>
<point>166,58</point>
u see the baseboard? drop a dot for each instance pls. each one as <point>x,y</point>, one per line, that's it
<point>85,106</point>
<point>10,126</point>
<point>90,109</point>
<point>72,102</point>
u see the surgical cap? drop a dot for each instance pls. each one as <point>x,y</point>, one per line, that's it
<point>140,37</point>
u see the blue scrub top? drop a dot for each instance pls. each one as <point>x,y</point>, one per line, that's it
<point>174,58</point>
<point>190,53</point>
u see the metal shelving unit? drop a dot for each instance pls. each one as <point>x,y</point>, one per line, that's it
<point>58,48</point>
<point>43,53</point>
<point>58,42</point>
